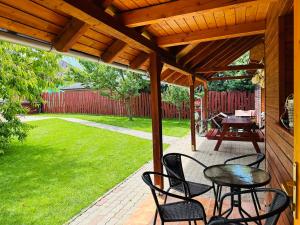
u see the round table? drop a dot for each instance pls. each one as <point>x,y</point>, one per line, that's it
<point>236,177</point>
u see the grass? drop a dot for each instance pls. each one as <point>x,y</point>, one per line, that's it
<point>61,168</point>
<point>171,127</point>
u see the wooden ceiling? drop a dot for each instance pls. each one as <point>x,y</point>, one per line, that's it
<point>190,35</point>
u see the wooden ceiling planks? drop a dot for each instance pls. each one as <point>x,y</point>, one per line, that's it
<point>177,9</point>
<point>227,32</point>
<point>45,21</point>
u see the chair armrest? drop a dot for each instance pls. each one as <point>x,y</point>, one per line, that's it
<point>239,157</point>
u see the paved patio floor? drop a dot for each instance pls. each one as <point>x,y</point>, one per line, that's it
<point>122,204</point>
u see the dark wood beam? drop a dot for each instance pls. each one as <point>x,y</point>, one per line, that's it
<point>192,115</point>
<point>113,51</point>
<point>230,68</point>
<point>173,9</point>
<point>230,78</point>
<point>238,30</point>
<point>70,35</point>
<point>139,60</point>
<point>155,71</point>
<point>95,16</point>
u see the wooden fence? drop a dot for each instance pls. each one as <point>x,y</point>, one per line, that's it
<point>228,102</point>
<point>90,102</point>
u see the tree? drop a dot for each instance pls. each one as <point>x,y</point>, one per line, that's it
<point>176,96</point>
<point>24,73</point>
<point>114,83</point>
<point>233,85</point>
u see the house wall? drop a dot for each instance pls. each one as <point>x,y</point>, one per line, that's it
<point>279,142</point>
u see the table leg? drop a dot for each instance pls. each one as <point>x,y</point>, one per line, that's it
<point>223,133</point>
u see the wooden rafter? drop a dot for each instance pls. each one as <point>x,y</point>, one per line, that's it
<point>230,78</point>
<point>210,49</point>
<point>173,9</point>
<point>96,17</point>
<point>139,60</point>
<point>241,48</point>
<point>70,35</point>
<point>230,68</point>
<point>238,30</point>
<point>113,51</point>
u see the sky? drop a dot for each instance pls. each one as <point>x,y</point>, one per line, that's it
<point>73,61</point>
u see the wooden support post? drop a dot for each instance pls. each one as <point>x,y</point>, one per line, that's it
<point>297,111</point>
<point>192,114</point>
<point>155,71</point>
<point>205,102</point>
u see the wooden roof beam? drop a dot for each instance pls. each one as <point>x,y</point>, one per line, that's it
<point>113,51</point>
<point>174,9</point>
<point>239,30</point>
<point>230,68</point>
<point>230,78</point>
<point>70,35</point>
<point>139,60</point>
<point>95,16</point>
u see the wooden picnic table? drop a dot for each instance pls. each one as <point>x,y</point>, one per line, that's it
<point>238,129</point>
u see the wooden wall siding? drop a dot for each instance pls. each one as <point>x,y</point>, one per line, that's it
<point>279,143</point>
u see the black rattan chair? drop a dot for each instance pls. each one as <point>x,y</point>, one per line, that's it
<point>260,157</point>
<point>278,205</point>
<point>173,165</point>
<point>186,209</point>
<point>256,163</point>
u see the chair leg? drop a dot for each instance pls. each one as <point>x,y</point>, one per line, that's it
<point>190,223</point>
<point>155,217</point>
<point>167,195</point>
<point>195,222</point>
<point>257,200</point>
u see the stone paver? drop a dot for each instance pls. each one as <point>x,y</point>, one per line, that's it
<point>136,133</point>
<point>121,203</point>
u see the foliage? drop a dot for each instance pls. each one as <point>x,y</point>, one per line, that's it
<point>61,168</point>
<point>233,85</point>
<point>176,96</point>
<point>109,81</point>
<point>171,127</point>
<point>24,74</point>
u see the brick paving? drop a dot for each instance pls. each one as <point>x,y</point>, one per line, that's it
<point>130,202</point>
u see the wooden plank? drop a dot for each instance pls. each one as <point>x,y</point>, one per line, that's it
<point>72,32</point>
<point>239,30</point>
<point>230,68</point>
<point>113,51</point>
<point>176,9</point>
<point>155,70</point>
<point>25,29</point>
<point>139,60</point>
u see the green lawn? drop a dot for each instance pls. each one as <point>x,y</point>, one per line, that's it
<point>61,168</point>
<point>171,127</point>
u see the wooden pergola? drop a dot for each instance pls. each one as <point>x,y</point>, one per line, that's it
<point>183,42</point>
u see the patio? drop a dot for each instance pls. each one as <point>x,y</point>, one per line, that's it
<point>131,202</point>
<point>183,43</point>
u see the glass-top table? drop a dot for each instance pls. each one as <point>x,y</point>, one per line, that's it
<point>236,177</point>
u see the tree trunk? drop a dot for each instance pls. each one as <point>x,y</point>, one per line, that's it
<point>128,109</point>
<point>179,113</point>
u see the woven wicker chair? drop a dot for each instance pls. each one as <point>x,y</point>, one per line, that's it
<point>186,209</point>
